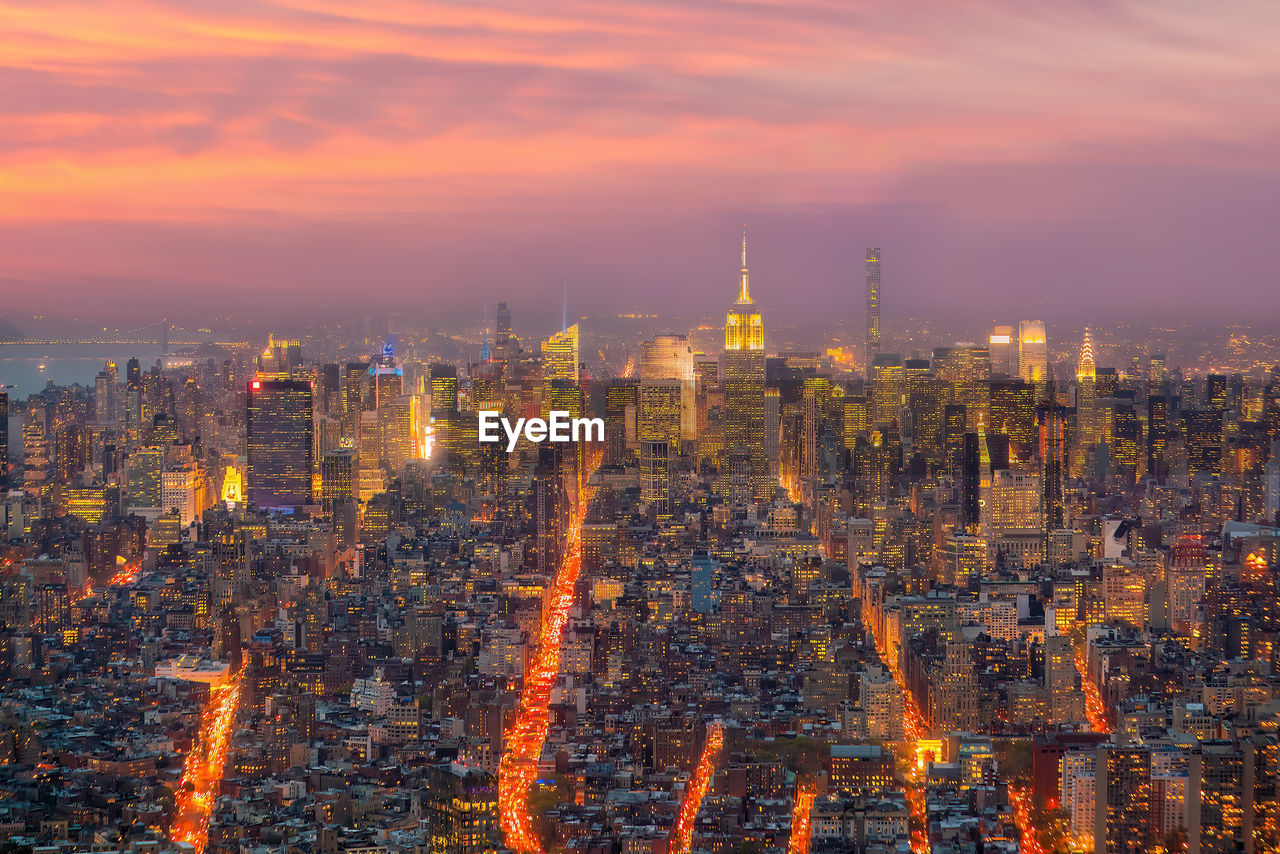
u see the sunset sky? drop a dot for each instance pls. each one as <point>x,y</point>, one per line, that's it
<point>1094,159</point>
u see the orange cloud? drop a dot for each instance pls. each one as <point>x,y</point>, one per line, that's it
<point>144,111</point>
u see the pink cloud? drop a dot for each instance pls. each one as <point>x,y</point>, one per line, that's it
<point>218,122</point>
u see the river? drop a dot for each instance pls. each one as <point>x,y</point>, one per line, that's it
<point>26,368</point>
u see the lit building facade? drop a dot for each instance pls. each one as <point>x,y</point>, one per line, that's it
<point>280,443</point>
<point>744,470</point>
<point>1033,352</point>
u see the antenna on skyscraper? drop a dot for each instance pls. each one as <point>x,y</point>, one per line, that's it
<point>564,309</point>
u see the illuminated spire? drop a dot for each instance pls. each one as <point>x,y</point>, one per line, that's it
<point>1086,370</point>
<point>744,297</point>
<point>743,329</point>
<point>564,308</point>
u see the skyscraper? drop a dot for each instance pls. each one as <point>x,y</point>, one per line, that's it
<point>1013,503</point>
<point>146,467</point>
<point>338,476</point>
<point>387,381</point>
<point>1000,344</point>
<point>668,357</point>
<point>1122,809</point>
<point>1033,352</point>
<point>1221,819</point>
<point>279,435</point>
<point>560,355</point>
<point>104,398</point>
<point>967,368</point>
<point>660,414</point>
<point>1062,681</point>
<point>502,340</point>
<point>1013,414</point>
<point>744,471</point>
<point>1157,436</point>
<point>445,420</point>
<point>622,403</point>
<point>354,389</point>
<point>927,404</point>
<point>658,430</point>
<point>1203,437</point>
<point>873,305</point>
<point>461,808</point>
<point>1087,415</point>
<point>703,581</point>
<point>1086,369</point>
<point>886,381</point>
<point>549,506</point>
<point>444,387</point>
<point>1050,418</point>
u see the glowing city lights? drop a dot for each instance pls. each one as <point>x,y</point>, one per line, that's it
<point>699,783</point>
<point>919,819</point>
<point>801,811</point>
<point>1093,705</point>
<point>525,739</point>
<point>203,770</point>
<point>126,574</point>
<point>917,731</point>
<point>1020,800</point>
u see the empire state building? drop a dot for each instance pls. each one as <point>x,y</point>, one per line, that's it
<point>744,468</point>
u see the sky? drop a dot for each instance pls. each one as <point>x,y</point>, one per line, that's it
<point>1091,160</point>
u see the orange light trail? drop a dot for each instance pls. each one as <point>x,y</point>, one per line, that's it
<point>801,828</point>
<point>791,484</point>
<point>203,770</point>
<point>919,818</point>
<point>1028,842</point>
<point>699,783</point>
<point>124,576</point>
<point>916,730</point>
<point>528,733</point>
<point>1093,705</point>
<point>127,574</point>
<point>913,719</point>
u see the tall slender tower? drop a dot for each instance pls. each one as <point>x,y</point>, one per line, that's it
<point>1086,370</point>
<point>873,305</point>
<point>1050,417</point>
<point>744,469</point>
<point>502,335</point>
<point>279,433</point>
<point>1033,352</point>
<point>1087,427</point>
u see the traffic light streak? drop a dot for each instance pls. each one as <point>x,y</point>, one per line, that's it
<point>916,731</point>
<point>203,770</point>
<point>1020,800</point>
<point>528,733</point>
<point>801,810</point>
<point>699,783</point>
<point>1093,705</point>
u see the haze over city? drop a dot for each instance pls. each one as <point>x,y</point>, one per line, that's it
<point>312,155</point>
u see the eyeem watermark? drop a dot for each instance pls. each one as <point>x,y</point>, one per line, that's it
<point>559,427</point>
